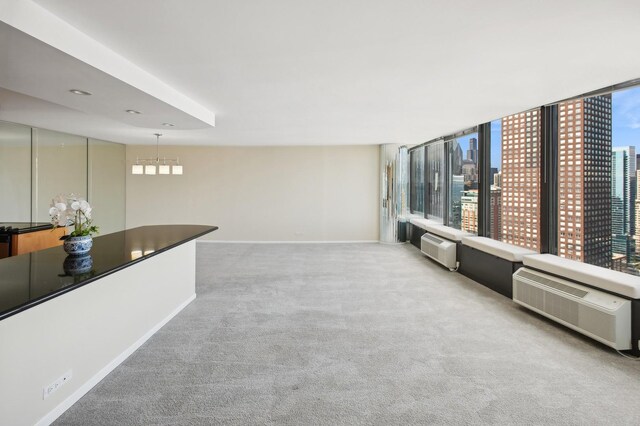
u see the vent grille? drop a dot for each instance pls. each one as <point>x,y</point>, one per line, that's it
<point>597,322</point>
<point>553,284</point>
<point>432,238</point>
<point>561,307</point>
<point>530,295</point>
<point>429,249</point>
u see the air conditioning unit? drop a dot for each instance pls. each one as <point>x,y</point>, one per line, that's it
<point>440,250</point>
<point>599,315</point>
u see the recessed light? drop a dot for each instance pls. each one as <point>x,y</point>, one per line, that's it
<point>133,111</point>
<point>168,124</point>
<point>80,92</point>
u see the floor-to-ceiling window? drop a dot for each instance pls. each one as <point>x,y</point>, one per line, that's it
<point>416,180</point>
<point>515,175</point>
<point>436,185</point>
<point>597,179</point>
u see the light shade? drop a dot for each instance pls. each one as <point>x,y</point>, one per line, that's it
<point>149,170</point>
<point>164,169</point>
<point>177,170</point>
<point>137,169</point>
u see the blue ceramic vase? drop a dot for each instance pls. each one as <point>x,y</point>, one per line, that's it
<point>74,265</point>
<point>76,246</point>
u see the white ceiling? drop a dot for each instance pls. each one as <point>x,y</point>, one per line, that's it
<point>295,72</point>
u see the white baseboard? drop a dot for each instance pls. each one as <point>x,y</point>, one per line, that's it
<point>291,242</point>
<point>74,397</point>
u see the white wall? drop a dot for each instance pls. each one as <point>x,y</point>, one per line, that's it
<point>262,193</point>
<point>88,331</point>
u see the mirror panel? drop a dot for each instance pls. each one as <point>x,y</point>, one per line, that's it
<point>60,167</point>
<point>15,172</point>
<point>107,173</point>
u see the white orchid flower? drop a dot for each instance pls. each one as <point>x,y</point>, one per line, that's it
<point>71,210</point>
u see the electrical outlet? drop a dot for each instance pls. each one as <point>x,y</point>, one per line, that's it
<point>48,390</point>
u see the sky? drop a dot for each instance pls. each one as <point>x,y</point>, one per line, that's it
<point>625,128</point>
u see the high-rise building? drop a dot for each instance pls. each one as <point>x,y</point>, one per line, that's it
<point>521,165</point>
<point>470,172</point>
<point>497,179</point>
<point>493,171</point>
<point>470,211</point>
<point>637,213</point>
<point>584,180</point>
<point>472,152</point>
<point>457,190</point>
<point>623,191</point>
<point>456,159</point>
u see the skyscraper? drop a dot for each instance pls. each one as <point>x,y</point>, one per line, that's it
<point>497,179</point>
<point>493,171</point>
<point>456,158</point>
<point>472,152</point>
<point>584,180</point>
<point>637,213</point>
<point>520,176</point>
<point>623,175</point>
<point>457,190</point>
<point>470,173</point>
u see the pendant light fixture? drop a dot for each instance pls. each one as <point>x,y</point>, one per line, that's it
<point>157,165</point>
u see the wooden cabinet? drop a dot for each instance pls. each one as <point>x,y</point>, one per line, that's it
<point>37,240</point>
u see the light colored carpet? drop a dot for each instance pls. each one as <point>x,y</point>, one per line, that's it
<point>355,334</point>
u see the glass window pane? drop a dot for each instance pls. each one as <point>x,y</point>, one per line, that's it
<point>416,179</point>
<point>516,146</point>
<point>598,208</point>
<point>435,180</point>
<point>495,176</point>
<point>463,183</point>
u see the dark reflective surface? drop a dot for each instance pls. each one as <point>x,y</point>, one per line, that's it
<point>23,227</point>
<point>29,279</point>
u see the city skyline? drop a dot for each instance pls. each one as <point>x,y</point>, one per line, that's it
<point>597,207</point>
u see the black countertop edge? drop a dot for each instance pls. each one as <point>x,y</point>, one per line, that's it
<point>19,229</point>
<point>35,302</point>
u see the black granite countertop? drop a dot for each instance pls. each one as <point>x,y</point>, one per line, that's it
<point>30,279</point>
<point>23,227</point>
